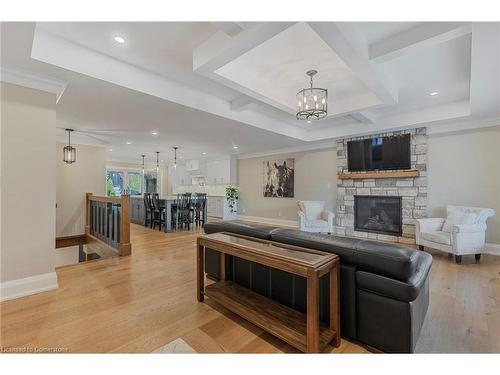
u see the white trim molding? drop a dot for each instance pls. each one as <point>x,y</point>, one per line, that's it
<point>33,81</point>
<point>492,248</point>
<point>27,286</point>
<point>271,221</point>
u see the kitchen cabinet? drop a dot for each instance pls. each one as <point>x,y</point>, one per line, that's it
<point>192,165</point>
<point>215,207</point>
<point>218,172</point>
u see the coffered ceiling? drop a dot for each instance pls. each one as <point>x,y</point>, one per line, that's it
<point>208,87</point>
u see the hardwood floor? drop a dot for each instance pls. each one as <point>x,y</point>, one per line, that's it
<point>142,302</point>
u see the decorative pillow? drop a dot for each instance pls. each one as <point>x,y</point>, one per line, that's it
<point>457,218</point>
<point>301,206</point>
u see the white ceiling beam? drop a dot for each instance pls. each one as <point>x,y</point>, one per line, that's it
<point>364,117</point>
<point>420,36</point>
<point>230,28</point>
<point>242,103</point>
<point>347,47</point>
<point>33,81</point>
<point>485,69</point>
<point>220,49</point>
<point>60,52</point>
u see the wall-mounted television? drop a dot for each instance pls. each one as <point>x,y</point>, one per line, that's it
<point>380,153</point>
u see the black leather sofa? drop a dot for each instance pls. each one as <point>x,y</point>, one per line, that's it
<point>384,288</point>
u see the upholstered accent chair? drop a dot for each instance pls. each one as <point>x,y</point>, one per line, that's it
<point>314,218</point>
<point>462,232</point>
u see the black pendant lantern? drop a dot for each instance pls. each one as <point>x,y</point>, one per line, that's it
<point>69,152</point>
<point>175,157</point>
<point>143,156</point>
<point>157,162</point>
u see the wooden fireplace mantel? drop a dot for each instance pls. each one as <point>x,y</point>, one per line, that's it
<point>391,174</point>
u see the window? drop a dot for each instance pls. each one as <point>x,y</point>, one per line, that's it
<point>131,182</point>
<point>134,183</point>
<point>114,183</point>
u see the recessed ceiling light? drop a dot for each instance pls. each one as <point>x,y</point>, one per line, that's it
<point>308,121</point>
<point>128,142</point>
<point>154,133</point>
<point>235,147</point>
<point>434,93</point>
<point>119,39</point>
<point>203,153</point>
<point>110,149</point>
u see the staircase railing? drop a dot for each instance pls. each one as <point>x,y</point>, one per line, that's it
<point>108,222</point>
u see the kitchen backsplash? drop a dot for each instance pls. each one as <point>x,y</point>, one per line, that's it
<point>215,190</point>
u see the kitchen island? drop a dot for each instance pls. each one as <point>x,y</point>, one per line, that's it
<point>216,207</point>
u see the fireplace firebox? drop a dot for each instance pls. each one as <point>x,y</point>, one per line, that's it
<point>378,214</point>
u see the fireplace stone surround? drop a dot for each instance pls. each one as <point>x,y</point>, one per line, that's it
<point>412,190</point>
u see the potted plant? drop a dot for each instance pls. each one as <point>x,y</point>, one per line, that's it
<point>232,194</point>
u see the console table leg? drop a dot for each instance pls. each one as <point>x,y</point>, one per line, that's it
<point>335,303</point>
<point>313,329</point>
<point>200,284</point>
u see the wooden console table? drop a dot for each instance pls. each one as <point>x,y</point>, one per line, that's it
<point>302,331</point>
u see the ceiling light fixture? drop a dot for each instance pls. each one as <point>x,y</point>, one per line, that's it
<point>175,157</point>
<point>434,93</point>
<point>157,161</point>
<point>235,147</point>
<point>128,142</point>
<point>154,133</point>
<point>143,156</point>
<point>203,153</point>
<point>312,101</point>
<point>119,39</point>
<point>69,152</point>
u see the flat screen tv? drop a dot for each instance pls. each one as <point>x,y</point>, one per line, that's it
<point>381,153</point>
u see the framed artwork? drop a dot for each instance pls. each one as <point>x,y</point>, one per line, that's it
<point>278,178</point>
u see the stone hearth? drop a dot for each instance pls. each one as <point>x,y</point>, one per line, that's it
<point>412,190</point>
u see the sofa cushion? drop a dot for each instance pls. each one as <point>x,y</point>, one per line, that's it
<point>240,227</point>
<point>402,290</point>
<point>378,257</point>
<point>437,236</point>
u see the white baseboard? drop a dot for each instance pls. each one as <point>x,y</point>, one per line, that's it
<point>271,221</point>
<point>27,286</point>
<point>492,248</point>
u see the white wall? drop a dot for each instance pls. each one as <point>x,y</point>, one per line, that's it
<point>315,179</point>
<point>28,168</point>
<point>87,175</point>
<point>464,169</point>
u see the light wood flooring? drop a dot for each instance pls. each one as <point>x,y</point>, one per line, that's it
<point>142,302</point>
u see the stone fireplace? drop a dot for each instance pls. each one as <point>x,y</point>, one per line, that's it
<point>378,214</point>
<point>411,192</point>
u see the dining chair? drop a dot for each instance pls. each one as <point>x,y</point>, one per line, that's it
<point>158,211</point>
<point>148,210</point>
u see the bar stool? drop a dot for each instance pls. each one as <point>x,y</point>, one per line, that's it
<point>200,204</point>
<point>158,211</point>
<point>148,210</point>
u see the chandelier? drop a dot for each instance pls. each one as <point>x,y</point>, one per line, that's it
<point>312,101</point>
<point>69,152</point>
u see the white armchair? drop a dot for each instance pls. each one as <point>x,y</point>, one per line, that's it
<point>314,218</point>
<point>461,233</point>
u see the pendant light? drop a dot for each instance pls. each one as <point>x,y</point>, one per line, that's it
<point>175,157</point>
<point>312,101</point>
<point>143,156</point>
<point>69,152</point>
<point>157,162</point>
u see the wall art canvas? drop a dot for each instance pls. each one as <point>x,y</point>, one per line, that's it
<point>278,178</point>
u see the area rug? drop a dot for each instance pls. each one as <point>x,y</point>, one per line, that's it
<point>178,346</point>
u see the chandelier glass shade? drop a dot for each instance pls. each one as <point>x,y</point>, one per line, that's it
<point>69,152</point>
<point>312,102</point>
